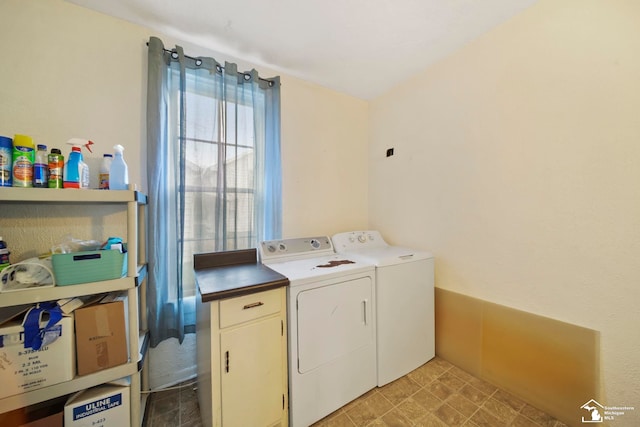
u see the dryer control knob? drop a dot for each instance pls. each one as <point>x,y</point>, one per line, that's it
<point>362,238</point>
<point>315,244</point>
<point>271,248</point>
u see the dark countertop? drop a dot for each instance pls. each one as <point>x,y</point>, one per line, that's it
<point>233,273</point>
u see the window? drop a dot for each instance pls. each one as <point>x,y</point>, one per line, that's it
<point>219,174</point>
<point>213,156</point>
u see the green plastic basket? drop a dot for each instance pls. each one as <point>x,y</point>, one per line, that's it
<point>88,266</point>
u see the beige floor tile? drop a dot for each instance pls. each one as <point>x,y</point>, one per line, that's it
<point>427,399</point>
<point>451,381</point>
<point>462,404</point>
<point>538,416</point>
<point>522,421</point>
<point>473,394</point>
<point>361,414</point>
<point>462,374</point>
<point>340,420</point>
<point>483,418</point>
<point>399,390</point>
<point>378,404</point>
<point>430,420</point>
<point>500,410</point>
<point>426,373</point>
<point>439,390</point>
<point>394,418</point>
<point>412,410</point>
<point>483,386</point>
<point>508,399</point>
<point>450,416</point>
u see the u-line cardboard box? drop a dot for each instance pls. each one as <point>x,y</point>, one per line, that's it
<point>101,406</point>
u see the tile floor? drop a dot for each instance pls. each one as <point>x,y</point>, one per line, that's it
<point>438,394</point>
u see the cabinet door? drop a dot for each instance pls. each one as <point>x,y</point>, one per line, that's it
<point>252,374</point>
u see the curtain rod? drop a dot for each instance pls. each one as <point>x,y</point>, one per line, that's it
<point>198,62</point>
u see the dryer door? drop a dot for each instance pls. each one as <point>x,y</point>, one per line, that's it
<point>334,321</point>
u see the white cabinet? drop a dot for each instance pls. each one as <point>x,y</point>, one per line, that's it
<point>134,284</point>
<point>242,360</point>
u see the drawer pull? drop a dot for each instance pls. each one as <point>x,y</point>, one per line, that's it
<point>226,361</point>
<point>252,305</point>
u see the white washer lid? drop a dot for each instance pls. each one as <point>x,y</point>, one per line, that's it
<point>389,255</point>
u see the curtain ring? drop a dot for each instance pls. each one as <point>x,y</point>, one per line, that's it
<point>198,62</point>
<point>218,68</point>
<point>247,77</point>
<point>174,55</point>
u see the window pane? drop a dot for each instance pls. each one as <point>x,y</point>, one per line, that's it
<point>215,189</point>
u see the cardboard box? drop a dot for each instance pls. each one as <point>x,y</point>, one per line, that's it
<point>102,406</point>
<point>43,414</point>
<point>101,335</point>
<point>23,369</point>
<point>53,420</point>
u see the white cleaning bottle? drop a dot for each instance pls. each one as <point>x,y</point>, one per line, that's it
<point>105,169</point>
<point>118,172</point>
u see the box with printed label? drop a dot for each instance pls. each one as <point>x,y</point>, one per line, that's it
<point>24,369</point>
<point>102,406</point>
<point>101,335</point>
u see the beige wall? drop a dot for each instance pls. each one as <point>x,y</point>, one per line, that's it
<point>518,159</point>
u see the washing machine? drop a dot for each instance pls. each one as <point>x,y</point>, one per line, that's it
<point>404,301</point>
<point>331,325</point>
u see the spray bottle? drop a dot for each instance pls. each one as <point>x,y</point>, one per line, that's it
<point>76,171</point>
<point>118,173</point>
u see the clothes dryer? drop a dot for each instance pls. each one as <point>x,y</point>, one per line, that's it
<point>404,301</point>
<point>331,325</point>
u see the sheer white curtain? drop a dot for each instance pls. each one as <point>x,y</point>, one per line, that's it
<point>213,141</point>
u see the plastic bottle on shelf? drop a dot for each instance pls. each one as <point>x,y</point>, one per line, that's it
<point>118,173</point>
<point>6,161</point>
<point>105,168</point>
<point>40,167</point>
<point>76,171</point>
<point>23,157</point>
<point>56,167</point>
<point>4,255</point>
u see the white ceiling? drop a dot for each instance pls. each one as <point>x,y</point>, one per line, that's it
<point>358,47</point>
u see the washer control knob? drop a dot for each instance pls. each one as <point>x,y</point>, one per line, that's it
<point>315,244</point>
<point>282,247</point>
<point>271,248</point>
<point>362,238</point>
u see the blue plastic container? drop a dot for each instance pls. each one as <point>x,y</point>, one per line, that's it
<point>6,161</point>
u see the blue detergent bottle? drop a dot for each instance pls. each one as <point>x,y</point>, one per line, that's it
<point>76,171</point>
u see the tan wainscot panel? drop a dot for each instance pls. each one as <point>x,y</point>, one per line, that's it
<point>459,330</point>
<point>550,364</point>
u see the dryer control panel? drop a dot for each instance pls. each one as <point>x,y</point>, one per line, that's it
<point>299,247</point>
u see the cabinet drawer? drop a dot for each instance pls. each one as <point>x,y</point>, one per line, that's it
<point>249,307</point>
